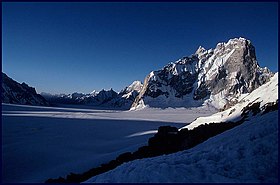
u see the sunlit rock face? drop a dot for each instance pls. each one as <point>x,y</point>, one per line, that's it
<point>215,76</point>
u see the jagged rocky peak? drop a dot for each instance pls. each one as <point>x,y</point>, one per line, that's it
<point>180,76</point>
<point>126,96</point>
<point>98,99</point>
<point>93,93</point>
<point>172,81</point>
<point>231,70</point>
<point>201,51</point>
<point>135,86</point>
<point>16,93</point>
<point>215,76</point>
<point>105,94</point>
<point>77,95</point>
<point>131,91</point>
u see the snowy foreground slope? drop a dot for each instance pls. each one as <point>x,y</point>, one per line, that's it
<point>246,153</point>
<point>39,143</point>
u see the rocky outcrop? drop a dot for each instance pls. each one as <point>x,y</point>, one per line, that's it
<point>215,76</point>
<point>16,93</point>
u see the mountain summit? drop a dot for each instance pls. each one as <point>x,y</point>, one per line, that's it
<point>216,77</point>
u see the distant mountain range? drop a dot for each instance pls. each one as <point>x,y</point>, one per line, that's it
<point>215,77</point>
<point>104,98</point>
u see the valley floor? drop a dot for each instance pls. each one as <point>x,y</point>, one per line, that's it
<point>47,142</point>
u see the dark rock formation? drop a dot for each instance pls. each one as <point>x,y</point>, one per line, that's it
<point>16,93</point>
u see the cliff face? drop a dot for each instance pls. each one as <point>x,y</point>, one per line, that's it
<point>215,76</point>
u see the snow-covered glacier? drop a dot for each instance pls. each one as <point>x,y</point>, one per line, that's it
<point>39,142</point>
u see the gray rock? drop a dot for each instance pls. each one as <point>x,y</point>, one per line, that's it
<point>224,73</point>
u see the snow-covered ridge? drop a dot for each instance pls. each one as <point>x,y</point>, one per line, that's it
<point>267,93</point>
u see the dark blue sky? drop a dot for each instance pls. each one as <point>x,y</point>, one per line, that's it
<point>67,47</point>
